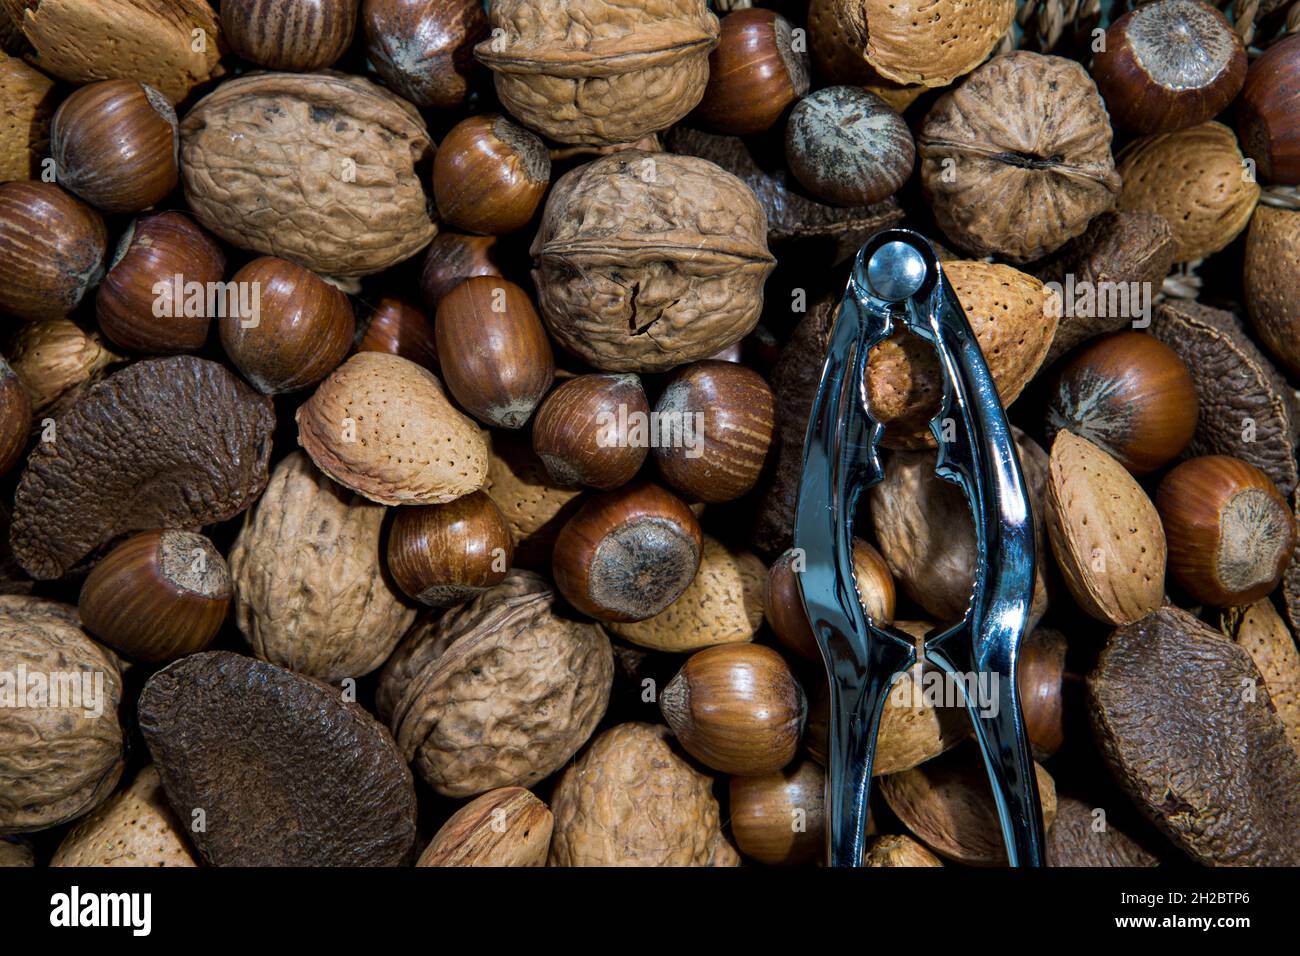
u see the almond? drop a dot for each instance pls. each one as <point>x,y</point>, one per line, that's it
<point>534,506</point>
<point>722,605</point>
<point>1197,180</point>
<point>1014,317</point>
<point>1105,533</point>
<point>1272,279</point>
<point>840,61</point>
<point>29,101</point>
<point>134,827</point>
<point>506,827</point>
<point>897,849</point>
<point>382,426</point>
<point>1264,635</point>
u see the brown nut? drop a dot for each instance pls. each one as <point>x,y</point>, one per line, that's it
<point>626,555</point>
<point>534,506</point>
<point>631,799</point>
<point>353,205</point>
<point>649,260</point>
<point>489,175</point>
<point>473,699</point>
<point>779,818</point>
<point>134,827</point>
<point>1018,183</point>
<point>736,708</point>
<point>848,146</point>
<point>756,71</point>
<point>454,257</point>
<point>443,555</point>
<point>157,596</point>
<point>592,72</point>
<point>29,103</point>
<point>1105,533</point>
<point>1196,179</point>
<point>310,590</point>
<point>382,426</point>
<point>506,827</point>
<point>399,328</point>
<point>303,36</point>
<point>155,297</point>
<point>115,144</point>
<point>586,431</point>
<point>715,422</point>
<point>424,48</point>
<point>1267,111</point>
<point>294,331</point>
<point>51,250</point>
<point>494,353</point>
<point>1040,675</point>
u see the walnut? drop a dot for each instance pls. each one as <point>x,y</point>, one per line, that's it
<point>590,71</point>
<point>1016,161</point>
<point>649,260</point>
<point>318,168</point>
<point>60,739</point>
<point>310,591</point>
<point>633,800</point>
<point>498,693</point>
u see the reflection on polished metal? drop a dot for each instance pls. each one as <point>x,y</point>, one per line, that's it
<point>898,280</point>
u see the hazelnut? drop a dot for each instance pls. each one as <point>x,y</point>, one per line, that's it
<point>303,36</point>
<point>494,353</point>
<point>397,327</point>
<point>1267,111</point>
<point>153,252</point>
<point>736,708</point>
<point>443,555</point>
<point>779,818</point>
<point>1040,679</point>
<point>157,596</point>
<point>1131,396</point>
<point>115,144</point>
<point>627,554</point>
<point>506,827</point>
<point>848,146</point>
<point>756,71</point>
<point>489,175</point>
<point>716,421</point>
<point>424,48</point>
<point>1169,65</point>
<point>51,250</point>
<point>536,508</point>
<point>1231,533</point>
<point>584,431</point>
<point>298,331</point>
<point>454,257</point>
<point>15,418</point>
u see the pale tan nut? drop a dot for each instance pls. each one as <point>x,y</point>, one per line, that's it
<point>15,851</point>
<point>1105,533</point>
<point>840,60</point>
<point>1196,179</point>
<point>898,849</point>
<point>1272,281</point>
<point>927,533</point>
<point>134,827</point>
<point>27,103</point>
<point>534,507</point>
<point>1016,160</point>
<point>645,261</point>
<point>318,168</point>
<point>631,799</point>
<point>1265,636</point>
<point>591,71</point>
<point>506,827</point>
<point>56,359</point>
<point>499,692</point>
<point>1014,317</point>
<point>382,426</point>
<point>927,42</point>
<point>56,763</point>
<point>153,41</point>
<point>722,605</point>
<point>311,593</point>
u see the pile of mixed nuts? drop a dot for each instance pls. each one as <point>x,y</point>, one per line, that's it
<point>402,406</point>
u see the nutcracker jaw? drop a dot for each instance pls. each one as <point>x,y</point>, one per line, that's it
<point>898,281</point>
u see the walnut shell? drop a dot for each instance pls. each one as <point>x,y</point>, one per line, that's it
<point>15,851</point>
<point>649,260</point>
<point>534,507</point>
<point>723,604</point>
<point>898,849</point>
<point>500,692</point>
<point>926,42</point>
<point>317,168</point>
<point>1016,161</point>
<point>27,102</point>
<point>172,45</point>
<point>632,800</point>
<point>1105,532</point>
<point>56,763</point>
<point>506,827</point>
<point>589,71</point>
<point>1272,279</point>
<point>134,827</point>
<point>310,590</point>
<point>1014,318</point>
<point>1197,180</point>
<point>377,407</point>
<point>54,357</point>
